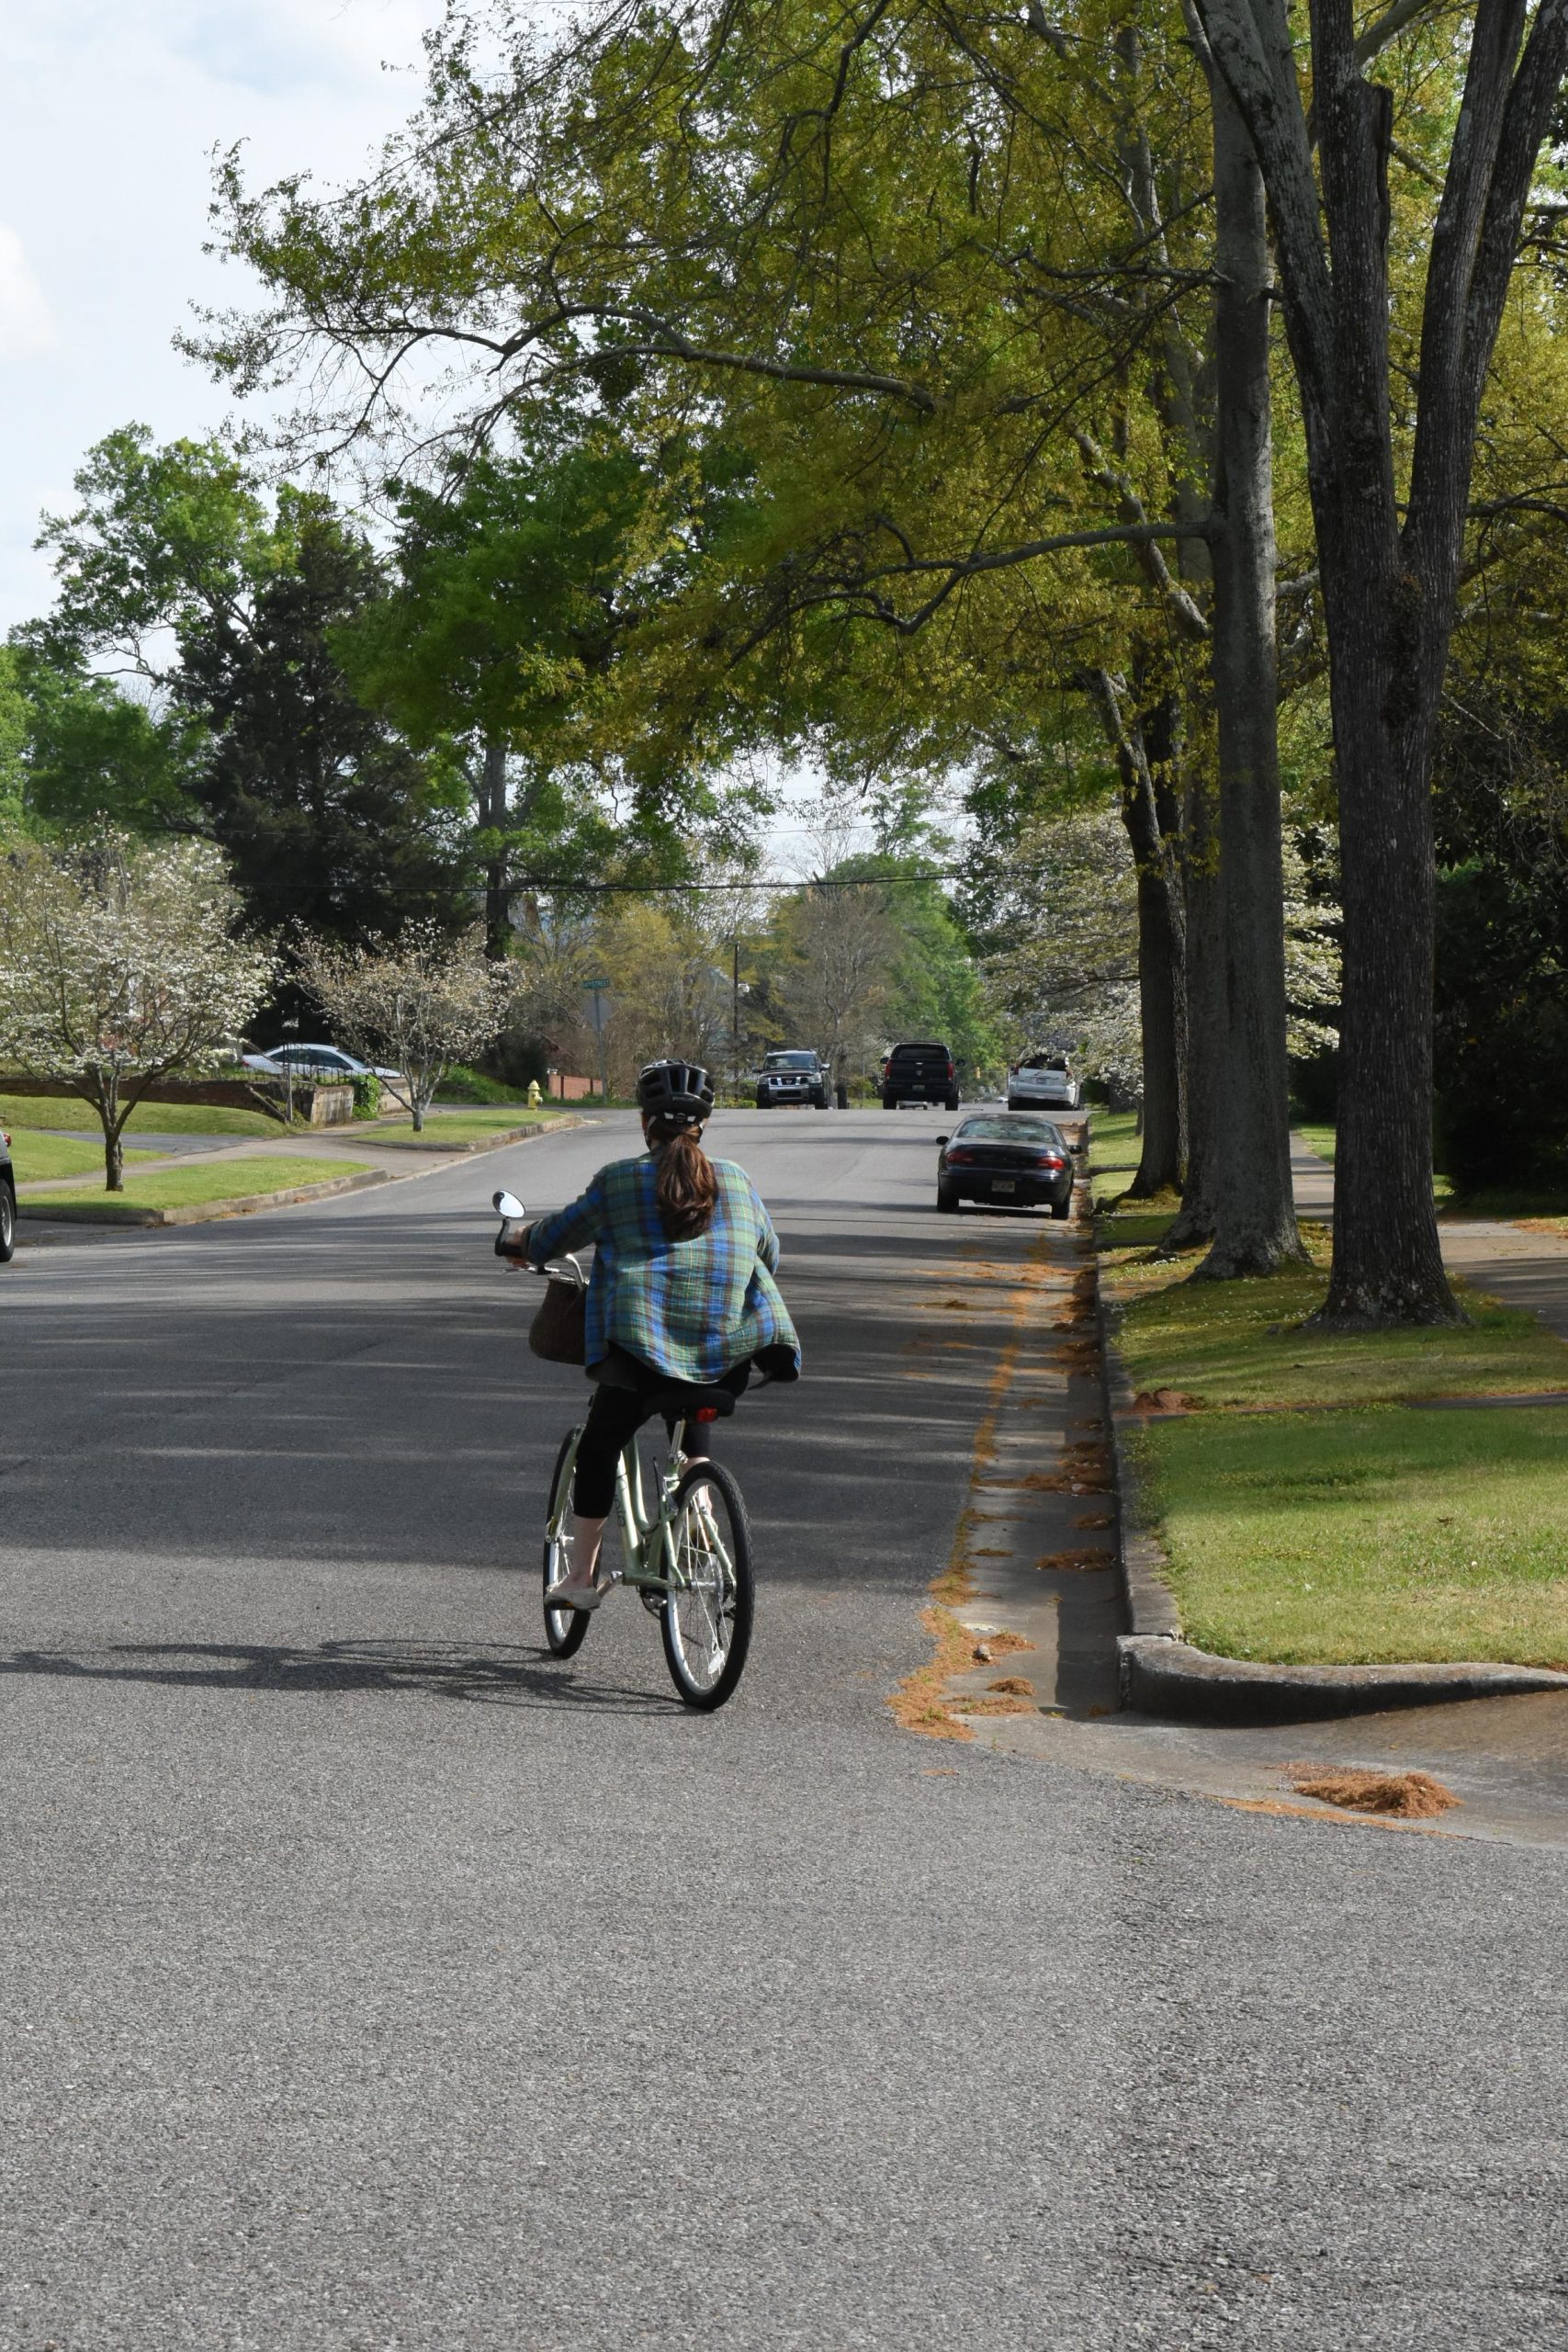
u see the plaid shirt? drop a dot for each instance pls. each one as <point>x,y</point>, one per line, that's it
<point>693,1309</point>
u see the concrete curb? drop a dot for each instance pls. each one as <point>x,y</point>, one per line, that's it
<point>1146,1597</point>
<point>1162,1675</point>
<point>198,1212</point>
<point>1171,1677</point>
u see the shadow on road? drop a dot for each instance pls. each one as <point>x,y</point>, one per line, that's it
<point>499,1673</point>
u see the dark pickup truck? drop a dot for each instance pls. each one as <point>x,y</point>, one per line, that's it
<point>791,1076</point>
<point>919,1074</point>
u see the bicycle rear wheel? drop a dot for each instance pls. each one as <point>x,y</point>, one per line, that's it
<point>707,1618</point>
<point>564,1628</point>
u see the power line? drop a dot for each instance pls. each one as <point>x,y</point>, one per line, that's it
<point>824,882</point>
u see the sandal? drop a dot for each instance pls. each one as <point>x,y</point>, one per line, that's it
<point>569,1594</point>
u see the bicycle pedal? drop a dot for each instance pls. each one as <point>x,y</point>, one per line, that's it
<point>652,1601</point>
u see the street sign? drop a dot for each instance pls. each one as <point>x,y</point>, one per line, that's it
<point>596,1005</point>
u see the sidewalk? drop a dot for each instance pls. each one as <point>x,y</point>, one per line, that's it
<point>1515,1267</point>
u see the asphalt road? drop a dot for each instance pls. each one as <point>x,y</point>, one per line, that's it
<point>371,1981</point>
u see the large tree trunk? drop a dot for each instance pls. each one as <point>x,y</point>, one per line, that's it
<point>491,798</point>
<point>107,1104</point>
<point>1206,1015</point>
<point>1388,588</point>
<point>1388,1266</point>
<point>1161,1161</point>
<point>1389,609</point>
<point>1145,746</point>
<point>1255,1216</point>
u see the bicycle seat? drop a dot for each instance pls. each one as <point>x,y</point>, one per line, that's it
<point>694,1404</point>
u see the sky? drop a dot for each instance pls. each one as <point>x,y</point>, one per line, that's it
<point>109,112</point>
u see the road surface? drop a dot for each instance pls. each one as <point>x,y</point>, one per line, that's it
<point>372,1981</point>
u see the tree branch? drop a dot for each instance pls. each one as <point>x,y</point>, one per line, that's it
<point>1188,615</point>
<point>1250,41</point>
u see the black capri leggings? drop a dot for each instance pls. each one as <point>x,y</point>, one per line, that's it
<point>616,1414</point>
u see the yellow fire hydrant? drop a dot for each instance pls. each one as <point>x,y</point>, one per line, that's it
<point>534,1097</point>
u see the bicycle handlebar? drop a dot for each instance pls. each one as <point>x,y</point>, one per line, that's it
<point>513,1215</point>
<point>559,1269</point>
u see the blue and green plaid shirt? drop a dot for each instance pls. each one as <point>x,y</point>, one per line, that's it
<point>693,1309</point>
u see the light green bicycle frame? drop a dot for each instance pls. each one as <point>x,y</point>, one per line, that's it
<point>648,1532</point>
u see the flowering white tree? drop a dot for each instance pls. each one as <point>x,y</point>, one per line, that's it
<point>118,965</point>
<point>420,1003</point>
<point>1070,982</point>
<point>1071,979</point>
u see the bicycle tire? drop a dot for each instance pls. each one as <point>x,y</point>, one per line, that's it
<point>688,1622</point>
<point>566,1629</point>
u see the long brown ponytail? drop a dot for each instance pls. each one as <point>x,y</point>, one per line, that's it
<point>687,1186</point>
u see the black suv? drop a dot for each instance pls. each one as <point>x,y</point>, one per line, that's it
<point>791,1076</point>
<point>919,1074</point>
<point>7,1201</point>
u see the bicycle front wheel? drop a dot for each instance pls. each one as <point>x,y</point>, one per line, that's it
<point>566,1629</point>
<point>706,1618</point>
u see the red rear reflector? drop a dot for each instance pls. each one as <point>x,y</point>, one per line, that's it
<point>707,1413</point>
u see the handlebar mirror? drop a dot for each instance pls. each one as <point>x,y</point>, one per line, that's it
<point>508,1204</point>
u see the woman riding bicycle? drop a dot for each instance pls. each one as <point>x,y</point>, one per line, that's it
<point>683,1293</point>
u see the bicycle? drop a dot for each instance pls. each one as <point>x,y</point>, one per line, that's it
<point>685,1537</point>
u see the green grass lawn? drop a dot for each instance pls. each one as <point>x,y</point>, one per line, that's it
<point>1115,1148</point>
<point>461,1126</point>
<point>1242,1343</point>
<point>1113,1152</point>
<point>36,1156</point>
<point>49,1111</point>
<point>464,1085</point>
<point>209,1180</point>
<point>1367,1537</point>
<point>1545,1203</point>
<point>1367,1533</point>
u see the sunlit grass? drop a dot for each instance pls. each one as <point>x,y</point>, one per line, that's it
<point>1366,1537</point>
<point>55,1110</point>
<point>475,1125</point>
<point>207,1180</point>
<point>1243,1343</point>
<point>36,1156</point>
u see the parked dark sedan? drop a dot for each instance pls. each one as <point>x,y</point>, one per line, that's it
<point>1007,1158</point>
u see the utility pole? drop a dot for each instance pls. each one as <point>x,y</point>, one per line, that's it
<point>596,1009</point>
<point>735,1012</point>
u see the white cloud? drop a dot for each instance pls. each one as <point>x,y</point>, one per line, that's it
<point>27,324</point>
<point>296,44</point>
<point>109,112</point>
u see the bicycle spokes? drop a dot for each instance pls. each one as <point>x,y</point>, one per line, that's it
<point>707,1611</point>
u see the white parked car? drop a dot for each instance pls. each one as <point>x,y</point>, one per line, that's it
<point>1042,1082</point>
<point>314,1061</point>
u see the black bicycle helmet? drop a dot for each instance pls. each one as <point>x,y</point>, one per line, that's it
<point>680,1092</point>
